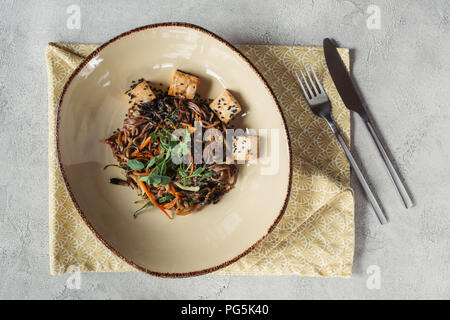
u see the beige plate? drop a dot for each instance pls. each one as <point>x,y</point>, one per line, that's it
<point>92,106</point>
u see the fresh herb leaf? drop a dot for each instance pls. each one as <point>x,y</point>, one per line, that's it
<point>165,198</point>
<point>162,168</point>
<point>136,165</point>
<point>152,162</point>
<point>145,206</point>
<point>145,179</point>
<point>113,165</point>
<point>198,172</point>
<point>206,175</point>
<point>182,172</point>
<point>154,178</point>
<point>164,179</point>
<point>168,153</point>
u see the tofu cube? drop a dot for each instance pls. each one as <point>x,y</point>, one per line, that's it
<point>245,148</point>
<point>140,93</point>
<point>183,85</point>
<point>225,106</point>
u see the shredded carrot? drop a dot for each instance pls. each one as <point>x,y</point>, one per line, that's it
<point>171,204</point>
<point>141,155</point>
<point>143,158</point>
<point>145,143</point>
<point>146,173</point>
<point>152,198</point>
<point>209,193</point>
<point>172,190</point>
<point>191,129</point>
<point>136,153</point>
<point>186,212</point>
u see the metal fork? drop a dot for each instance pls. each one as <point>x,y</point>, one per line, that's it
<point>321,106</point>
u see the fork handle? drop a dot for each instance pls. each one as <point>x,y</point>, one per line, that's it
<point>362,180</point>
<point>392,172</point>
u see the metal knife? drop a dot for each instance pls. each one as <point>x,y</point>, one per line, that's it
<point>352,100</point>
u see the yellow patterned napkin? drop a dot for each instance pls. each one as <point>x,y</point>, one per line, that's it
<point>315,237</point>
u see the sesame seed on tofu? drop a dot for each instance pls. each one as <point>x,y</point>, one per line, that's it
<point>140,92</point>
<point>225,106</point>
<point>183,85</point>
<point>245,148</point>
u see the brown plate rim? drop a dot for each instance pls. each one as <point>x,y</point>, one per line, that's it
<point>72,196</point>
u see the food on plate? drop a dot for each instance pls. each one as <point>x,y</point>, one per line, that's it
<point>139,92</point>
<point>161,126</point>
<point>226,106</point>
<point>184,85</point>
<point>245,148</point>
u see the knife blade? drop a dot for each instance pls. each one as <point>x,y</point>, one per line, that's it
<point>353,101</point>
<point>342,80</point>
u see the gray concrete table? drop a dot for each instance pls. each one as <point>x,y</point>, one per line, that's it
<point>401,65</point>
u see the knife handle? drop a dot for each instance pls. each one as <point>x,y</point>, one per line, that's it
<point>392,172</point>
<point>362,180</point>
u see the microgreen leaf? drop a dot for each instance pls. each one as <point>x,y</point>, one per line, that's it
<point>165,198</point>
<point>151,162</point>
<point>164,179</point>
<point>154,178</point>
<point>148,204</point>
<point>182,172</point>
<point>198,171</point>
<point>136,165</point>
<point>113,165</point>
<point>206,175</point>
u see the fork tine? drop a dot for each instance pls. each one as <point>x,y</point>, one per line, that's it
<point>316,91</point>
<point>317,80</point>
<point>307,85</point>
<point>301,85</point>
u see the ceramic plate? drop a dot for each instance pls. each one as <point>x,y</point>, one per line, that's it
<point>92,106</point>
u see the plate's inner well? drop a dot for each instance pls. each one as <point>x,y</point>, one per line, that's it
<point>93,106</point>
